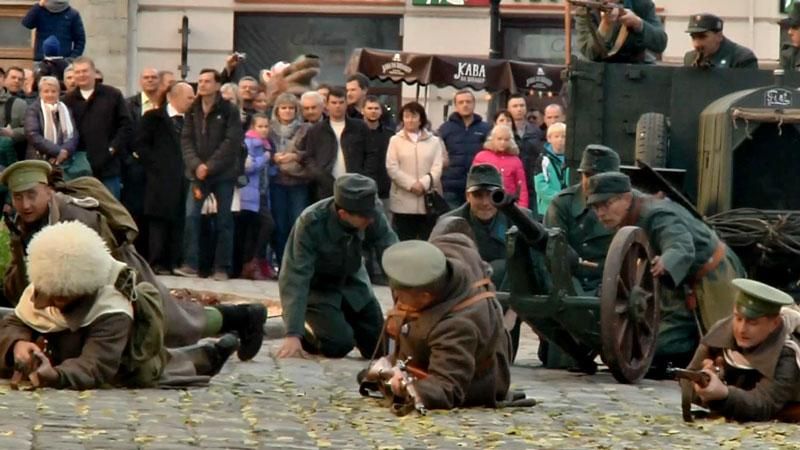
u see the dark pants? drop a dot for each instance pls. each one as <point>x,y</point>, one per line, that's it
<point>253,231</point>
<point>165,242</point>
<point>413,226</point>
<point>287,204</point>
<point>335,331</point>
<point>215,242</point>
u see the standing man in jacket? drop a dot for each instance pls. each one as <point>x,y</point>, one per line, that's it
<point>211,139</point>
<point>529,140</point>
<point>790,61</point>
<point>103,122</point>
<point>56,18</point>
<point>337,145</point>
<point>463,135</point>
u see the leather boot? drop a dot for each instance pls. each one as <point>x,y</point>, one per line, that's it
<point>247,321</point>
<point>209,358</point>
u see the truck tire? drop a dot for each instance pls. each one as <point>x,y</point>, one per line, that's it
<point>652,139</point>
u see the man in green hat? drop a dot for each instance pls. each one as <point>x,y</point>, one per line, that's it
<point>328,303</point>
<point>712,48</point>
<point>488,226</point>
<point>38,204</point>
<point>790,52</point>
<point>751,357</point>
<point>447,320</point>
<point>569,212</point>
<point>691,262</point>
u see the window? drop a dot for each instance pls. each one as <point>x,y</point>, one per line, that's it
<point>16,41</point>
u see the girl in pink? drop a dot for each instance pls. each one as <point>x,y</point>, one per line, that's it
<point>502,152</point>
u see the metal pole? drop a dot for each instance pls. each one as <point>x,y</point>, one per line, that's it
<point>494,24</point>
<point>567,33</point>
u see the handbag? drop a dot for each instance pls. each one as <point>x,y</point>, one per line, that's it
<point>76,166</point>
<point>435,204</point>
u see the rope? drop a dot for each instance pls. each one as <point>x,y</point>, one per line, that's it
<point>772,232</point>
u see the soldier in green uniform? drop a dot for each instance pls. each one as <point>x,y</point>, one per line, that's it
<point>585,234</point>
<point>328,303</point>
<point>629,34</point>
<point>752,358</point>
<point>691,262</point>
<point>712,48</point>
<point>488,226</point>
<point>446,318</point>
<point>790,52</point>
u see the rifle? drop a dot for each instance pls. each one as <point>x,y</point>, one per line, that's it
<point>377,378</point>
<point>696,376</point>
<point>602,5</point>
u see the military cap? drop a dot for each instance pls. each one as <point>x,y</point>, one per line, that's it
<point>793,21</point>
<point>606,185</point>
<point>599,159</point>
<point>700,23</point>
<point>24,175</point>
<point>483,176</point>
<point>756,299</point>
<point>355,193</point>
<point>411,264</point>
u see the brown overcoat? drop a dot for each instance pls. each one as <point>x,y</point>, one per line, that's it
<point>465,352</point>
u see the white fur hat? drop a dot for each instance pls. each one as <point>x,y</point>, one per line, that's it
<point>68,259</point>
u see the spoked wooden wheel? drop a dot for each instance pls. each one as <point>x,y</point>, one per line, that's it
<point>629,306</point>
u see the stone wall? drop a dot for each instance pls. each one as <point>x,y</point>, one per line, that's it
<point>106,23</point>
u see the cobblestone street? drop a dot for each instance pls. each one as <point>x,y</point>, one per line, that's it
<point>308,404</point>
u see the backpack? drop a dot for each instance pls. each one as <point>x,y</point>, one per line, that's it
<point>91,193</point>
<point>145,356</point>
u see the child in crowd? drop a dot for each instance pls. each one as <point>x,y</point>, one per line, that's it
<point>502,152</point>
<point>252,229</point>
<point>553,176</point>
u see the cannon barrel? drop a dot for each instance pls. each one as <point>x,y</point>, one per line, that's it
<point>534,233</point>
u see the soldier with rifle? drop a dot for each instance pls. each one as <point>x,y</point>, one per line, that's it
<point>747,367</point>
<point>712,48</point>
<point>625,32</point>
<point>446,324</point>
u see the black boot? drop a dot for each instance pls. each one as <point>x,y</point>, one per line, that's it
<point>208,358</point>
<point>247,321</point>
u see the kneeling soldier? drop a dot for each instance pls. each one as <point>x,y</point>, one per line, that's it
<point>752,358</point>
<point>447,320</point>
<point>99,326</point>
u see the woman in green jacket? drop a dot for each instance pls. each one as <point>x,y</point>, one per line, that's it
<point>553,173</point>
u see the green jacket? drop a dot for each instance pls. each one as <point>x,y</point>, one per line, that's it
<point>585,234</point>
<point>490,238</point>
<point>790,58</point>
<point>553,178</point>
<point>683,242</point>
<point>652,37</point>
<point>323,254</point>
<point>17,115</point>
<point>730,55</point>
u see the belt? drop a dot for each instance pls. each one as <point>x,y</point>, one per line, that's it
<point>713,262</point>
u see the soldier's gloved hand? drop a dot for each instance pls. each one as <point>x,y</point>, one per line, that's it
<point>23,353</point>
<point>631,20</point>
<point>45,375</point>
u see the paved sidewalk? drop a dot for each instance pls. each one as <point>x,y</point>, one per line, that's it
<point>310,404</point>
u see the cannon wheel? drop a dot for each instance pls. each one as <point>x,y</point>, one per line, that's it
<point>629,306</point>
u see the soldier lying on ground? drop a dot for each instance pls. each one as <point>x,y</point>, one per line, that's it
<point>693,264</point>
<point>80,301</point>
<point>37,205</point>
<point>328,303</point>
<point>752,358</point>
<point>447,320</point>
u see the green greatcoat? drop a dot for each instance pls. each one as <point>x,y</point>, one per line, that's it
<point>585,234</point>
<point>730,56</point>
<point>652,38</point>
<point>685,244</point>
<point>790,58</point>
<point>491,239</point>
<point>322,263</point>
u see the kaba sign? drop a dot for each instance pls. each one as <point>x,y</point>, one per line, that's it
<point>470,73</point>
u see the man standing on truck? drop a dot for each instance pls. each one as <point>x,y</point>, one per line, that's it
<point>790,52</point>
<point>623,32</point>
<point>712,48</point>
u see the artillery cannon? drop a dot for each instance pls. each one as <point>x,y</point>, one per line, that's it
<point>620,324</point>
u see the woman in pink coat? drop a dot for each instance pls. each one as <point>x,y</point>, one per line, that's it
<point>502,152</point>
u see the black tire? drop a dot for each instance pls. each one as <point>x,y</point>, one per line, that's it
<point>652,139</point>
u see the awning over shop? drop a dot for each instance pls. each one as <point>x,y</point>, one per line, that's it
<point>494,75</point>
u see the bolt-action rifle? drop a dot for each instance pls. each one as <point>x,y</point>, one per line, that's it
<point>378,379</point>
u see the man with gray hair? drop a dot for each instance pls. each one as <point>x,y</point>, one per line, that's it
<point>69,79</point>
<point>313,104</point>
